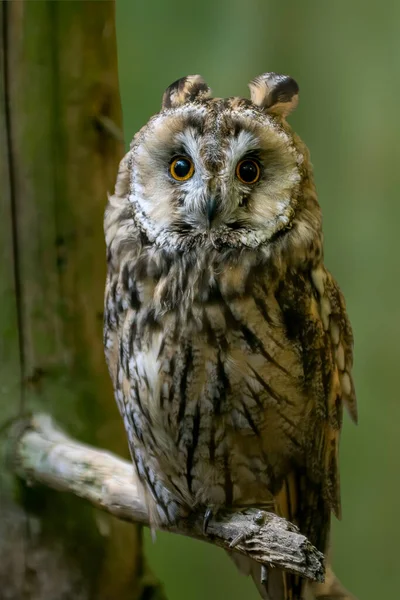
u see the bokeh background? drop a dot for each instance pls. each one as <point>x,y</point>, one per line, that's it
<point>345,56</point>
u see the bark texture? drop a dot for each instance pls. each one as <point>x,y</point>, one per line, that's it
<point>59,150</point>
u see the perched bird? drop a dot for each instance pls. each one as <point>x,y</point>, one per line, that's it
<point>226,338</point>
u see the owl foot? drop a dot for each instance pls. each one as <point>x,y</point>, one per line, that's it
<point>258,520</point>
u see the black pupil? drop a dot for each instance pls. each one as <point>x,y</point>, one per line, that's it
<point>182,167</point>
<point>248,171</point>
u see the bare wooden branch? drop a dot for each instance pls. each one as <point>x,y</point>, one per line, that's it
<point>44,454</point>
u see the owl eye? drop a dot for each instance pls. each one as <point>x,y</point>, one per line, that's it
<point>181,168</point>
<point>248,171</point>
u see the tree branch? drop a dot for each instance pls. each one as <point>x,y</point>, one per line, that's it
<point>42,453</point>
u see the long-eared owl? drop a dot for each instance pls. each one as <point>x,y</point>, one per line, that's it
<point>226,338</point>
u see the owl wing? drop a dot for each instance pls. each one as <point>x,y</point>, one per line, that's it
<point>337,350</point>
<point>328,361</point>
<point>332,310</point>
<point>316,320</point>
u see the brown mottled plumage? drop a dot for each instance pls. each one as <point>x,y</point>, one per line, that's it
<point>226,338</point>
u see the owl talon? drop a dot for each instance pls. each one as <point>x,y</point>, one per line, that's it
<point>264,574</point>
<point>239,538</point>
<point>207,518</point>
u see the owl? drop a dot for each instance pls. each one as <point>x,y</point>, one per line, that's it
<point>226,338</point>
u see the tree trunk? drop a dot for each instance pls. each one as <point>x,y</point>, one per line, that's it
<point>59,150</point>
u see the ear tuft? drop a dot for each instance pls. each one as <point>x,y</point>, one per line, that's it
<point>276,94</point>
<point>187,89</point>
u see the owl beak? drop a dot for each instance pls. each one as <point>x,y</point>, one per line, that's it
<point>212,207</point>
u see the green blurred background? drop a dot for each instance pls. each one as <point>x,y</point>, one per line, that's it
<point>345,56</point>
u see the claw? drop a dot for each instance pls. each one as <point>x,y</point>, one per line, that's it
<point>239,538</point>
<point>207,518</point>
<point>264,574</point>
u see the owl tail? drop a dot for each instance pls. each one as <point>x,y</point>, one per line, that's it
<point>274,589</point>
<point>302,502</point>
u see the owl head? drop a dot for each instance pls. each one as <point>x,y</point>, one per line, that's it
<point>221,172</point>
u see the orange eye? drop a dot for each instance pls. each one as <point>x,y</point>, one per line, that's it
<point>248,171</point>
<point>181,168</point>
